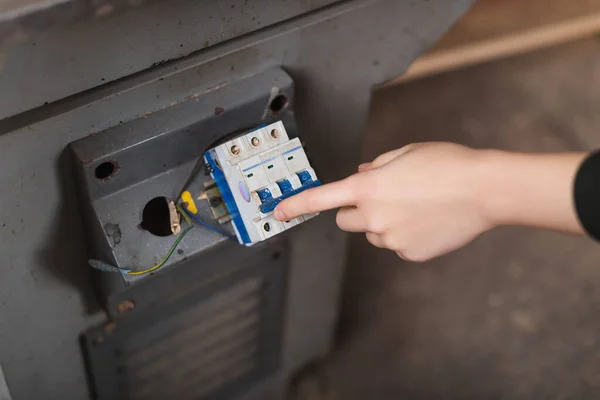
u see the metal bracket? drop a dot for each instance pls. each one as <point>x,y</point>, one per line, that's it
<point>121,169</point>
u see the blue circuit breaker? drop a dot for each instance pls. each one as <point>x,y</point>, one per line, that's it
<point>254,173</point>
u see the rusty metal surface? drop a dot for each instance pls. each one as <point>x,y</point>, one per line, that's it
<point>57,63</point>
<point>21,18</point>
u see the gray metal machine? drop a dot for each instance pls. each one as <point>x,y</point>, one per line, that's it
<point>105,106</point>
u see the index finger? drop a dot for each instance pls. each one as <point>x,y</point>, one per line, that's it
<point>322,198</point>
<point>385,158</point>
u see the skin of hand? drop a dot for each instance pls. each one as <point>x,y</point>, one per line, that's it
<point>427,199</point>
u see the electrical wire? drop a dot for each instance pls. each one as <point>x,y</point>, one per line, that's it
<point>194,172</point>
<point>198,166</point>
<point>188,216</point>
<point>173,247</point>
<point>207,225</point>
<point>104,267</point>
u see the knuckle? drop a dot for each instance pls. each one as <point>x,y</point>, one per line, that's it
<point>418,259</point>
<point>414,255</point>
<point>380,159</point>
<point>401,255</point>
<point>388,242</point>
<point>406,250</point>
<point>410,146</point>
<point>374,239</point>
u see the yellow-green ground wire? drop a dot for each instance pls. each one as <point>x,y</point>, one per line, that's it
<point>172,249</point>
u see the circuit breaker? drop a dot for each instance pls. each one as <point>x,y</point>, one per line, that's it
<point>254,173</point>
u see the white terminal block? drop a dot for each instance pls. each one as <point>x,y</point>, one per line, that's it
<point>254,173</point>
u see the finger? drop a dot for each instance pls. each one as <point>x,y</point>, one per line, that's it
<point>364,167</point>
<point>385,158</point>
<point>375,240</point>
<point>350,219</point>
<point>391,155</point>
<point>333,195</point>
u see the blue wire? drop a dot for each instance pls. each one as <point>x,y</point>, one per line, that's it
<point>208,226</point>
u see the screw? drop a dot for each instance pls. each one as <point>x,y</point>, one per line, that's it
<point>255,141</point>
<point>274,133</point>
<point>267,227</point>
<point>125,306</point>
<point>215,201</point>
<point>235,150</point>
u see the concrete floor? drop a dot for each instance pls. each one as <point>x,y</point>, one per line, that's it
<point>514,315</point>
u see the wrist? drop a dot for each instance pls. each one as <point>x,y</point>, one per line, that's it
<point>491,188</point>
<point>528,189</point>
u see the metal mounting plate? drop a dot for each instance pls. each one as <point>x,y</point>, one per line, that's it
<point>153,156</point>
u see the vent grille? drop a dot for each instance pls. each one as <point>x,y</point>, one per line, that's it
<point>204,349</point>
<point>210,330</point>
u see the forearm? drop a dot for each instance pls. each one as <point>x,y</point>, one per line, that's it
<point>530,189</point>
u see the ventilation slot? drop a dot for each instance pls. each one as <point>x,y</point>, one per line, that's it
<point>208,347</point>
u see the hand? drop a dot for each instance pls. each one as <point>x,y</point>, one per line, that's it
<point>421,201</point>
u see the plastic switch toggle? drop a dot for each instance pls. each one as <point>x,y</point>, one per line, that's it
<point>285,186</point>
<point>305,177</point>
<point>264,195</point>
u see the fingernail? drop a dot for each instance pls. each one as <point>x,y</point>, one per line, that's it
<point>364,166</point>
<point>279,215</point>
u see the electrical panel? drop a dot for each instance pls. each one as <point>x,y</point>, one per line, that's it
<point>255,172</point>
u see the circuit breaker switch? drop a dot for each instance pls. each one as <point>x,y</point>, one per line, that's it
<point>269,168</point>
<point>304,177</point>
<point>285,186</point>
<point>264,194</point>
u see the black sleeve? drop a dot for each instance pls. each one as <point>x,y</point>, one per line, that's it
<point>587,194</point>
